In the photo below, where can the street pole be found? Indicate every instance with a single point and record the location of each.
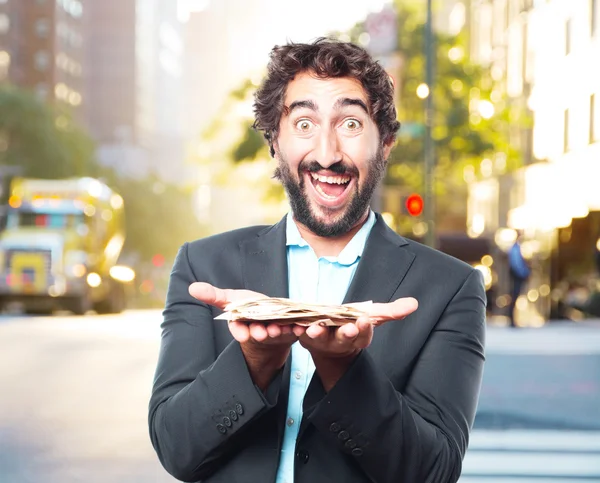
(429, 207)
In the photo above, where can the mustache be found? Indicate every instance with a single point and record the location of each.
(338, 168)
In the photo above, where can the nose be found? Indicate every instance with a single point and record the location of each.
(328, 149)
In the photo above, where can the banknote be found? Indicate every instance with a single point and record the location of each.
(284, 311)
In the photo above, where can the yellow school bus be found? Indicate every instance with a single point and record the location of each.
(60, 247)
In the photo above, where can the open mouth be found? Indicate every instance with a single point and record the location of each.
(332, 190)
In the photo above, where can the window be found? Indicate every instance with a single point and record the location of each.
(593, 17)
(594, 122)
(41, 60)
(4, 23)
(566, 132)
(42, 28)
(568, 37)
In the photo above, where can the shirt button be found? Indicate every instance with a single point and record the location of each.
(335, 427)
(302, 456)
(290, 421)
(343, 435)
(357, 452)
(298, 375)
(239, 409)
(351, 444)
(233, 415)
(227, 422)
(222, 429)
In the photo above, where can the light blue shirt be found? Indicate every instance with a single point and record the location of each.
(312, 280)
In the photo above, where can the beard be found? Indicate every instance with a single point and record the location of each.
(359, 202)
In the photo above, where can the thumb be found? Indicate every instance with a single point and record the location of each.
(398, 309)
(211, 295)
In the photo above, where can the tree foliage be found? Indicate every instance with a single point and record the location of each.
(159, 216)
(42, 140)
(45, 142)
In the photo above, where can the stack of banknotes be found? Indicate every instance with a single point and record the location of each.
(285, 311)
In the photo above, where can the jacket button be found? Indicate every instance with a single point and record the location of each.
(302, 456)
(222, 429)
(351, 444)
(335, 427)
(343, 435)
(233, 415)
(227, 422)
(239, 409)
(357, 452)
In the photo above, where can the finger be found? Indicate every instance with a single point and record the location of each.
(316, 331)
(299, 330)
(286, 329)
(346, 332)
(274, 330)
(211, 295)
(239, 331)
(258, 332)
(365, 334)
(398, 309)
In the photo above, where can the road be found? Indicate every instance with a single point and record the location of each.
(74, 397)
(74, 391)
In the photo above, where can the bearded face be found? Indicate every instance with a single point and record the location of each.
(329, 151)
(344, 186)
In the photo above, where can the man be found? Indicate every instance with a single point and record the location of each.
(519, 273)
(389, 398)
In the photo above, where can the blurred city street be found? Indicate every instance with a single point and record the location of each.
(74, 403)
(129, 127)
(76, 391)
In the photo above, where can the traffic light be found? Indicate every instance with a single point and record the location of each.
(414, 204)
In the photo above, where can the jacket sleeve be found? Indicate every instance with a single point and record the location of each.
(421, 434)
(201, 401)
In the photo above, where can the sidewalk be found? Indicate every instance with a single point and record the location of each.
(502, 321)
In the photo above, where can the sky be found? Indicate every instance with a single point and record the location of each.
(310, 15)
(257, 25)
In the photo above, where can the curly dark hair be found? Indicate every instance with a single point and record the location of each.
(326, 58)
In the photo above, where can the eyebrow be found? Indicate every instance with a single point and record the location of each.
(342, 102)
(347, 101)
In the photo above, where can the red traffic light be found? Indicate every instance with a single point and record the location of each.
(414, 204)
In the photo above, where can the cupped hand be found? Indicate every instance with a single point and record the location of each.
(347, 339)
(270, 334)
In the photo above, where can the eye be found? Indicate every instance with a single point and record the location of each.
(304, 125)
(352, 124)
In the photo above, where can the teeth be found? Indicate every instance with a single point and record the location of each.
(331, 179)
(323, 194)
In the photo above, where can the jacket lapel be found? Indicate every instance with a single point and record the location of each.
(383, 265)
(264, 261)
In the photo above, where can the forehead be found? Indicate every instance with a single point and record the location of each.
(324, 92)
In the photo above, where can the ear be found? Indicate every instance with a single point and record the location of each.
(275, 146)
(387, 148)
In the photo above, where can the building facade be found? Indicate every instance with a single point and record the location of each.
(543, 56)
(42, 49)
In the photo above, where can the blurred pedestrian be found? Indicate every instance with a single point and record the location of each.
(519, 274)
(597, 255)
(357, 403)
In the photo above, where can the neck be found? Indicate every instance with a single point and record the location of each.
(329, 246)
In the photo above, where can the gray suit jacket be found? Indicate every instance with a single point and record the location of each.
(402, 412)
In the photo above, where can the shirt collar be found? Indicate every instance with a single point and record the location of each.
(351, 252)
